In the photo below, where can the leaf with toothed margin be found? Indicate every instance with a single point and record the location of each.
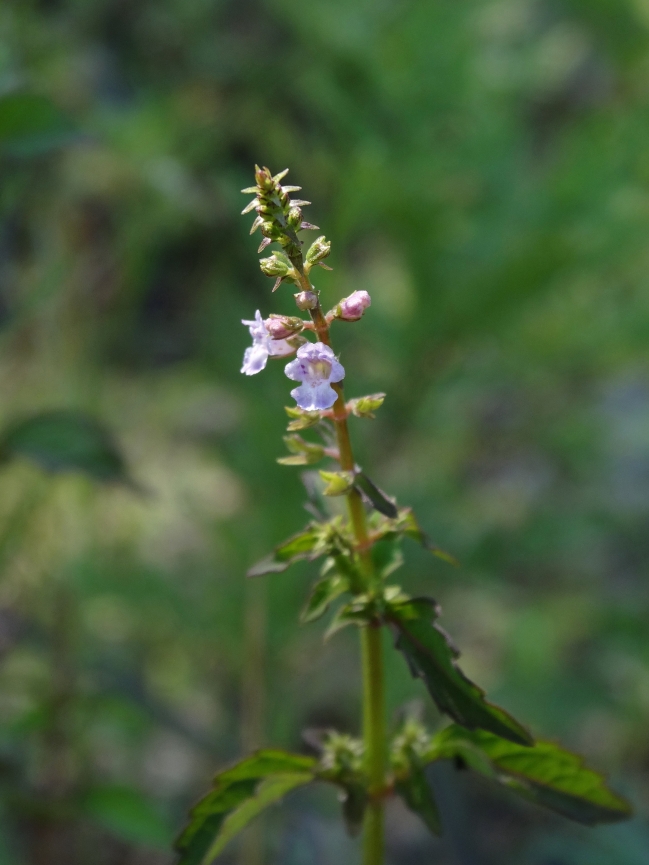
(545, 773)
(238, 795)
(432, 657)
(377, 498)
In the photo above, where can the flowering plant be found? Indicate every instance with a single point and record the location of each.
(360, 552)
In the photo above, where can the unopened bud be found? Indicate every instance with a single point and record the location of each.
(283, 326)
(318, 250)
(352, 308)
(306, 300)
(294, 217)
(275, 265)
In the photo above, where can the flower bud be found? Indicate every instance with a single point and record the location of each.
(275, 265)
(294, 217)
(306, 300)
(318, 250)
(352, 308)
(283, 326)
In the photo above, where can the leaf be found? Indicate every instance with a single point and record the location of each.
(377, 498)
(31, 125)
(338, 483)
(416, 793)
(301, 419)
(411, 529)
(322, 594)
(356, 613)
(432, 657)
(304, 453)
(64, 441)
(127, 814)
(239, 794)
(545, 773)
(365, 406)
(295, 548)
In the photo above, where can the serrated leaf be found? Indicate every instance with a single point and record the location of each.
(295, 548)
(337, 483)
(377, 498)
(432, 657)
(66, 441)
(31, 125)
(545, 774)
(416, 793)
(239, 794)
(127, 814)
(322, 594)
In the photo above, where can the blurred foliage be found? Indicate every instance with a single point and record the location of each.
(491, 156)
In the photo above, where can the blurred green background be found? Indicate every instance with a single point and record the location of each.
(482, 168)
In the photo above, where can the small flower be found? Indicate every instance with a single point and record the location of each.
(263, 346)
(316, 367)
(352, 308)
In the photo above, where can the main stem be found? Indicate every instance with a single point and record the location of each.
(371, 645)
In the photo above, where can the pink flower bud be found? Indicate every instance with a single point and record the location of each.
(283, 326)
(352, 308)
(306, 300)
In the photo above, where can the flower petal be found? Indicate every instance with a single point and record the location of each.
(254, 359)
(314, 397)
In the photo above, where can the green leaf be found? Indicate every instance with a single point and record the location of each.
(432, 657)
(31, 125)
(408, 526)
(365, 406)
(64, 441)
(301, 419)
(377, 498)
(318, 539)
(338, 483)
(545, 773)
(239, 794)
(303, 453)
(416, 793)
(128, 814)
(356, 613)
(322, 594)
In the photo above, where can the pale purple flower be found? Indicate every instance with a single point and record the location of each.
(315, 366)
(263, 346)
(353, 307)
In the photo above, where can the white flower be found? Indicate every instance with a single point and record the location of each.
(263, 346)
(315, 366)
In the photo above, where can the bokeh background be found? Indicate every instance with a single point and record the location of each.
(482, 168)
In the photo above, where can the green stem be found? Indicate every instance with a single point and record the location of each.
(371, 646)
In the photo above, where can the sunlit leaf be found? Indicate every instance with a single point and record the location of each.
(238, 795)
(432, 657)
(296, 548)
(64, 441)
(545, 773)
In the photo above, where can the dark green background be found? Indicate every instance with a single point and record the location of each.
(482, 168)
